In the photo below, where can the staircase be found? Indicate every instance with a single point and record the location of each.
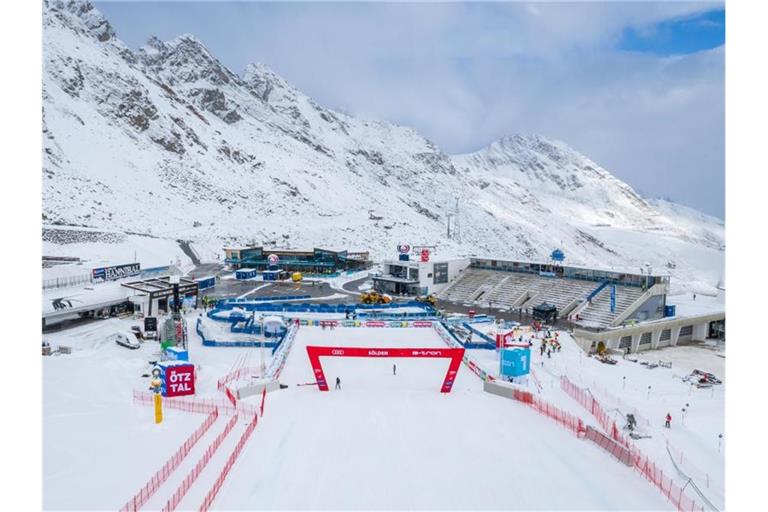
(599, 314)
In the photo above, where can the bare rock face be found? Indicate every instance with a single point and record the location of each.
(167, 136)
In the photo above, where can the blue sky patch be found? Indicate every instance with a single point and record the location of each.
(677, 36)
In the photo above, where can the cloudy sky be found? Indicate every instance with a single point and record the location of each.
(638, 87)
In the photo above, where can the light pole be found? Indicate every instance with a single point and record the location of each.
(719, 442)
(649, 392)
(624, 383)
(261, 351)
(683, 410)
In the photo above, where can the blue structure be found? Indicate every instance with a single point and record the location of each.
(669, 310)
(203, 283)
(515, 362)
(557, 255)
(245, 273)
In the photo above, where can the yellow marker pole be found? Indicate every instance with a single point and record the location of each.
(158, 408)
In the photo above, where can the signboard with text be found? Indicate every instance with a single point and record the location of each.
(116, 272)
(178, 380)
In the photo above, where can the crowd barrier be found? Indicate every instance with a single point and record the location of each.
(673, 492)
(308, 307)
(195, 405)
(585, 398)
(567, 420)
(606, 443)
(450, 339)
(171, 464)
(366, 323)
(209, 342)
(482, 335)
(648, 468)
(262, 299)
(208, 501)
(693, 471)
(181, 491)
(477, 319)
(279, 357)
(612, 400)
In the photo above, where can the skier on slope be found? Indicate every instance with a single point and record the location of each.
(394, 369)
(338, 383)
(668, 421)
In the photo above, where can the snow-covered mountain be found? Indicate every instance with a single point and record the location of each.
(166, 141)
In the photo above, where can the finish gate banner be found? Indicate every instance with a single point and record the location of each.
(454, 354)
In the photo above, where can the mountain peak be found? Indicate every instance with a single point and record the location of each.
(184, 59)
(91, 17)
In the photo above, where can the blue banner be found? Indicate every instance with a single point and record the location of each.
(515, 362)
(613, 298)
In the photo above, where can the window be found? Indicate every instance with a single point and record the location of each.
(666, 334)
(441, 273)
(686, 330)
(626, 342)
(645, 339)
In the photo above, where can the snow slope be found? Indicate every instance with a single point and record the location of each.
(394, 442)
(168, 142)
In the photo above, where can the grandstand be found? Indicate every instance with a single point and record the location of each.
(583, 294)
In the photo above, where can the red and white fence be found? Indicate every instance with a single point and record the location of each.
(622, 453)
(565, 419)
(154, 483)
(673, 492)
(666, 485)
(181, 491)
(585, 398)
(208, 501)
(196, 405)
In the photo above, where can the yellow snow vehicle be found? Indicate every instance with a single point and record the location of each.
(374, 297)
(427, 299)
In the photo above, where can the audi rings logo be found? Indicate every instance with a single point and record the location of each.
(337, 352)
(404, 248)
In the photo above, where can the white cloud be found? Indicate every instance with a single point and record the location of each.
(466, 74)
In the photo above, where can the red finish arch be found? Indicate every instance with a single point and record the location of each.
(454, 354)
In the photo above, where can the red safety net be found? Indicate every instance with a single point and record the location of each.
(161, 475)
(208, 501)
(181, 491)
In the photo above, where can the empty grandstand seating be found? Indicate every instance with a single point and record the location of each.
(470, 285)
(516, 289)
(599, 311)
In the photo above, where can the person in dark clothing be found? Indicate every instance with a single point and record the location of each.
(549, 354)
(394, 369)
(668, 421)
(338, 383)
(346, 315)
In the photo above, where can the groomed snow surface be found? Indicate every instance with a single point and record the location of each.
(382, 442)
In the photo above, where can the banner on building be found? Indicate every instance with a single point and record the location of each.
(116, 272)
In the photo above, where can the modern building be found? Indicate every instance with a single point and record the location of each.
(409, 277)
(316, 261)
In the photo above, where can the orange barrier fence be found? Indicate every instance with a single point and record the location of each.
(181, 491)
(197, 405)
(162, 474)
(673, 492)
(666, 485)
(585, 398)
(622, 453)
(208, 501)
(565, 419)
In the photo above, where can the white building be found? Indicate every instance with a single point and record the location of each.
(413, 277)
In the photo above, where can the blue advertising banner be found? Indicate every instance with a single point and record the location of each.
(515, 362)
(613, 298)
